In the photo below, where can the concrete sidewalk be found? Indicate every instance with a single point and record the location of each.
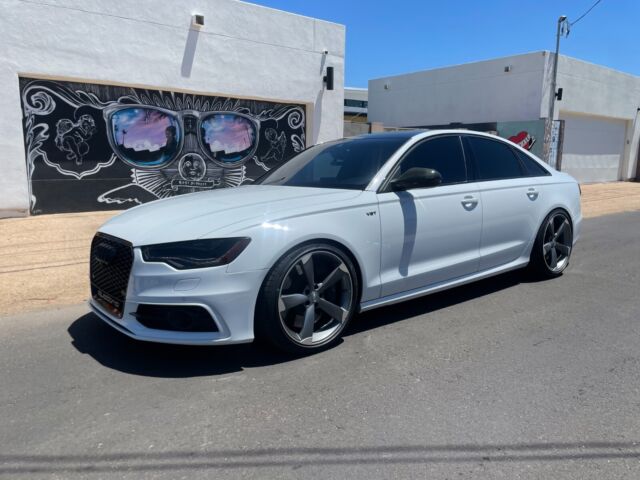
(44, 259)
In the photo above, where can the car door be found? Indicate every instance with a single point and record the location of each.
(430, 235)
(510, 200)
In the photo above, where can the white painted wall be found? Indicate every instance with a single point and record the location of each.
(243, 50)
(596, 91)
(593, 147)
(356, 93)
(470, 93)
(483, 92)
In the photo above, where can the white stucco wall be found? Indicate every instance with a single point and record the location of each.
(596, 99)
(356, 93)
(470, 93)
(244, 50)
(594, 90)
(602, 99)
(592, 147)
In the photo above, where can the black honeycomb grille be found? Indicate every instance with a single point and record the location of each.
(110, 266)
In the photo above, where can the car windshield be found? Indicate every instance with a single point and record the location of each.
(347, 164)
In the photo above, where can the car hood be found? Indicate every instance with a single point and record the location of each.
(222, 212)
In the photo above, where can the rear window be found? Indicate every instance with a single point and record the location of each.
(532, 168)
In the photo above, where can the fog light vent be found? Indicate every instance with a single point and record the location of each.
(175, 318)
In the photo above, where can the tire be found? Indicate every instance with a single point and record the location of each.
(553, 245)
(307, 299)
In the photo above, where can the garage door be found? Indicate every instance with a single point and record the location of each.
(593, 148)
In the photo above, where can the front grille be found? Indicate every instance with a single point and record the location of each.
(110, 266)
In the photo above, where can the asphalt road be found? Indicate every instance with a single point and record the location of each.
(507, 378)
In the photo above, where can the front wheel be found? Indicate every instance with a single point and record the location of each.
(307, 299)
(553, 245)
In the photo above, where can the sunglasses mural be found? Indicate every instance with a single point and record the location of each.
(101, 147)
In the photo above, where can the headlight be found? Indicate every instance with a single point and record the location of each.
(196, 253)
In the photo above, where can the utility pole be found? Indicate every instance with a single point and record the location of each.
(631, 152)
(552, 98)
(552, 92)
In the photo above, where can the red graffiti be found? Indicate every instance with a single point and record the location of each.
(523, 139)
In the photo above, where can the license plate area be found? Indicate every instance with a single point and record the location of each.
(106, 301)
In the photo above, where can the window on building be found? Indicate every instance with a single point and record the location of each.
(348, 102)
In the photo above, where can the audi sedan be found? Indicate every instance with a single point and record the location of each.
(344, 226)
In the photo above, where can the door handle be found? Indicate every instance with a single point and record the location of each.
(532, 193)
(469, 202)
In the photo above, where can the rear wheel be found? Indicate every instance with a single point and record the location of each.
(307, 299)
(552, 248)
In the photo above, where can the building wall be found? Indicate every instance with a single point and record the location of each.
(483, 94)
(355, 112)
(593, 147)
(604, 102)
(357, 94)
(243, 51)
(470, 93)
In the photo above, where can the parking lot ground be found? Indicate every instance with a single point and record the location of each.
(506, 378)
(44, 259)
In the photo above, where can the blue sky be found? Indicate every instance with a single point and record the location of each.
(392, 37)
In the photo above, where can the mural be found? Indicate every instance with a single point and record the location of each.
(101, 147)
(523, 139)
(528, 135)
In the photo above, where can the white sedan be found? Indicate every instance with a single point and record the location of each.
(343, 227)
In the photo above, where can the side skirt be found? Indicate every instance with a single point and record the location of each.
(438, 287)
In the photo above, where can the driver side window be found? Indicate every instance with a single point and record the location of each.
(443, 154)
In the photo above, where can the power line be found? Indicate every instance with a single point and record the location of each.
(585, 13)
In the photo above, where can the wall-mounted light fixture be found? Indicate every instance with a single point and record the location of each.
(328, 78)
(197, 21)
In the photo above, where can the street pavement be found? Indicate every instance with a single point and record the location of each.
(507, 378)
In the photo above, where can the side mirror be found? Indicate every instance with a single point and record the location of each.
(416, 178)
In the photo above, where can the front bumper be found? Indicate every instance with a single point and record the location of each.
(577, 228)
(229, 298)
